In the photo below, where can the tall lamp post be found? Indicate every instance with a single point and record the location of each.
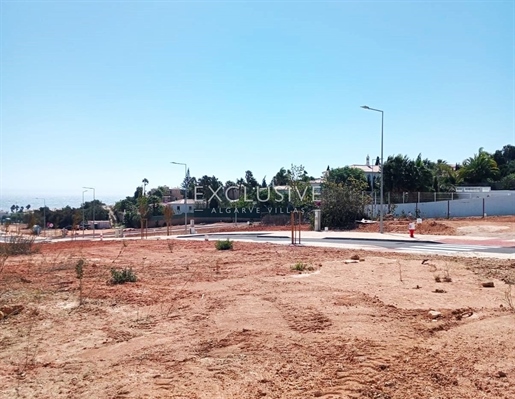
(381, 212)
(83, 217)
(44, 215)
(185, 196)
(92, 188)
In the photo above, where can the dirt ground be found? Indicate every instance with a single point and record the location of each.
(492, 226)
(202, 323)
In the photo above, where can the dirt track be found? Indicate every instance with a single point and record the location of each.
(202, 323)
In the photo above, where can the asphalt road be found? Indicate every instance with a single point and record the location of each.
(396, 245)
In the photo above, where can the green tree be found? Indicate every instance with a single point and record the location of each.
(505, 160)
(479, 168)
(445, 177)
(280, 178)
(402, 174)
(301, 193)
(250, 181)
(341, 175)
(138, 193)
(159, 191)
(188, 185)
(398, 174)
(343, 203)
(210, 186)
(422, 174)
(155, 204)
(508, 182)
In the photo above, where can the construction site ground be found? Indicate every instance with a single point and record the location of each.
(258, 321)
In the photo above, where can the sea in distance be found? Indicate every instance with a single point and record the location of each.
(52, 201)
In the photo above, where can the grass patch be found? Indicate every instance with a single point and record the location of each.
(301, 266)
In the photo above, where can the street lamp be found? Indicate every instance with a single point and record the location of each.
(381, 212)
(44, 215)
(185, 196)
(83, 221)
(92, 188)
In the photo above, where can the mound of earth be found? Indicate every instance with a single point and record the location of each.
(428, 226)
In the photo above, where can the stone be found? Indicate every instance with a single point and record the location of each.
(434, 314)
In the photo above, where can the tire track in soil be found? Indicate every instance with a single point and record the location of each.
(304, 319)
(347, 369)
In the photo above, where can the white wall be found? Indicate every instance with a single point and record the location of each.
(497, 205)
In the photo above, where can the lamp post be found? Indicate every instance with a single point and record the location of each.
(381, 212)
(44, 215)
(83, 218)
(92, 188)
(185, 196)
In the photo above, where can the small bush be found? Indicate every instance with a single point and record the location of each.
(222, 245)
(18, 244)
(444, 279)
(299, 266)
(79, 270)
(121, 276)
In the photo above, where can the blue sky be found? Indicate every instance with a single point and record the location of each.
(105, 94)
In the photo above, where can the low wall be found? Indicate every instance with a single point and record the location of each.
(491, 206)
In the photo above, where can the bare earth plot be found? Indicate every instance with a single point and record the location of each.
(202, 323)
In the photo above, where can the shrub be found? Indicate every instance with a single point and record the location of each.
(121, 276)
(223, 244)
(79, 270)
(299, 266)
(18, 244)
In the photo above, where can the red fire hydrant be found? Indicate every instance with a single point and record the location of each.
(411, 228)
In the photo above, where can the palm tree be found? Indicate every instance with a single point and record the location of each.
(479, 168)
(145, 182)
(399, 174)
(423, 175)
(446, 178)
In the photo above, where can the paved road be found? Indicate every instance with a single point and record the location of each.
(390, 244)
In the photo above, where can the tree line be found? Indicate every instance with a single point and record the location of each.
(58, 218)
(341, 191)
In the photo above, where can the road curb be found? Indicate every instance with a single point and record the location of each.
(382, 239)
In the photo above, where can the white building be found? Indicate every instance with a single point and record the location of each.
(372, 172)
(179, 206)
